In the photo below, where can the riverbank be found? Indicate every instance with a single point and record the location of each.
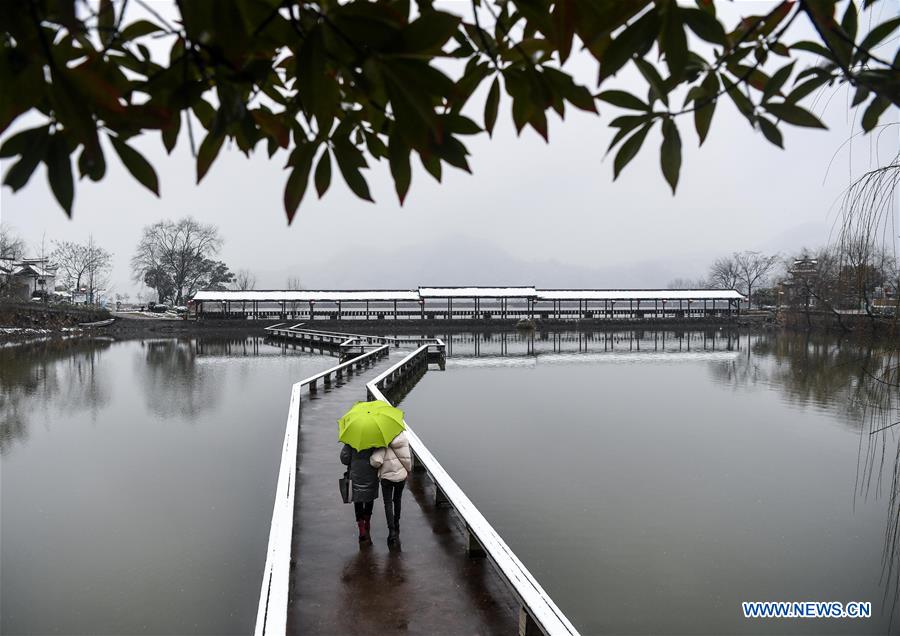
(26, 321)
(129, 326)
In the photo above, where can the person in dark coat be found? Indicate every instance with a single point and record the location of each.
(364, 480)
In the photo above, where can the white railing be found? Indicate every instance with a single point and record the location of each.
(334, 336)
(536, 604)
(271, 615)
(537, 609)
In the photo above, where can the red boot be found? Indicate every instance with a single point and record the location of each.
(366, 525)
(363, 531)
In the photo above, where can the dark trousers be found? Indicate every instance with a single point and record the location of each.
(391, 491)
(363, 509)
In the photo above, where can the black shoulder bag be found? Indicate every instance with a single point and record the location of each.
(344, 483)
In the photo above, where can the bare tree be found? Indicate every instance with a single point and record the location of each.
(177, 254)
(723, 274)
(293, 284)
(71, 258)
(244, 280)
(687, 283)
(752, 270)
(82, 266)
(11, 245)
(98, 269)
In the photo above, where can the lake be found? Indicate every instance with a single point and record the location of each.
(650, 480)
(137, 482)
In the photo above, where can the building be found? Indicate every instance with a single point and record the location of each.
(27, 278)
(468, 303)
(802, 276)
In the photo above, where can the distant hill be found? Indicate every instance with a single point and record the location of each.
(464, 261)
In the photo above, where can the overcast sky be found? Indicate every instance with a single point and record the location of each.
(527, 202)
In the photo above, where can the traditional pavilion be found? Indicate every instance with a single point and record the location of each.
(468, 303)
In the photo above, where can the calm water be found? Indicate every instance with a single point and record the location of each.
(650, 481)
(137, 483)
(651, 484)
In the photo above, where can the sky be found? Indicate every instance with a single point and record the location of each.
(531, 213)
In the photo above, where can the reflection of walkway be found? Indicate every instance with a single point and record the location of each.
(338, 588)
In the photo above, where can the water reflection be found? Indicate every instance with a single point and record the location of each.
(675, 521)
(858, 380)
(784, 483)
(137, 483)
(174, 384)
(60, 374)
(526, 343)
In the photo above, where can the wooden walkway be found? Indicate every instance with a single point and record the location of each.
(337, 587)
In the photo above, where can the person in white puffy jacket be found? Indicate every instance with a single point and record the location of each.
(393, 463)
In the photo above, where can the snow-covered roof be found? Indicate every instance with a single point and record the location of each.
(305, 295)
(638, 294)
(33, 269)
(479, 292)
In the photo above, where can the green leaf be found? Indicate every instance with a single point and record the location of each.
(625, 125)
(774, 84)
(19, 143)
(491, 106)
(629, 150)
(812, 47)
(771, 132)
(802, 90)
(849, 21)
(20, 172)
(301, 160)
(398, 157)
(139, 167)
(376, 147)
(209, 150)
(272, 126)
(138, 29)
(318, 90)
(793, 114)
(704, 25)
(627, 43)
(59, 172)
(323, 173)
(562, 85)
(661, 91)
(670, 153)
(170, 133)
(743, 103)
(106, 21)
(673, 41)
(778, 48)
(429, 33)
(703, 118)
(432, 164)
(873, 112)
(862, 93)
(563, 27)
(349, 159)
(875, 36)
(91, 162)
(705, 106)
(460, 124)
(623, 100)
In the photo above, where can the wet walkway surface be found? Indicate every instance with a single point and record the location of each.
(430, 586)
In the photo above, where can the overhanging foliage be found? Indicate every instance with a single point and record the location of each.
(349, 82)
